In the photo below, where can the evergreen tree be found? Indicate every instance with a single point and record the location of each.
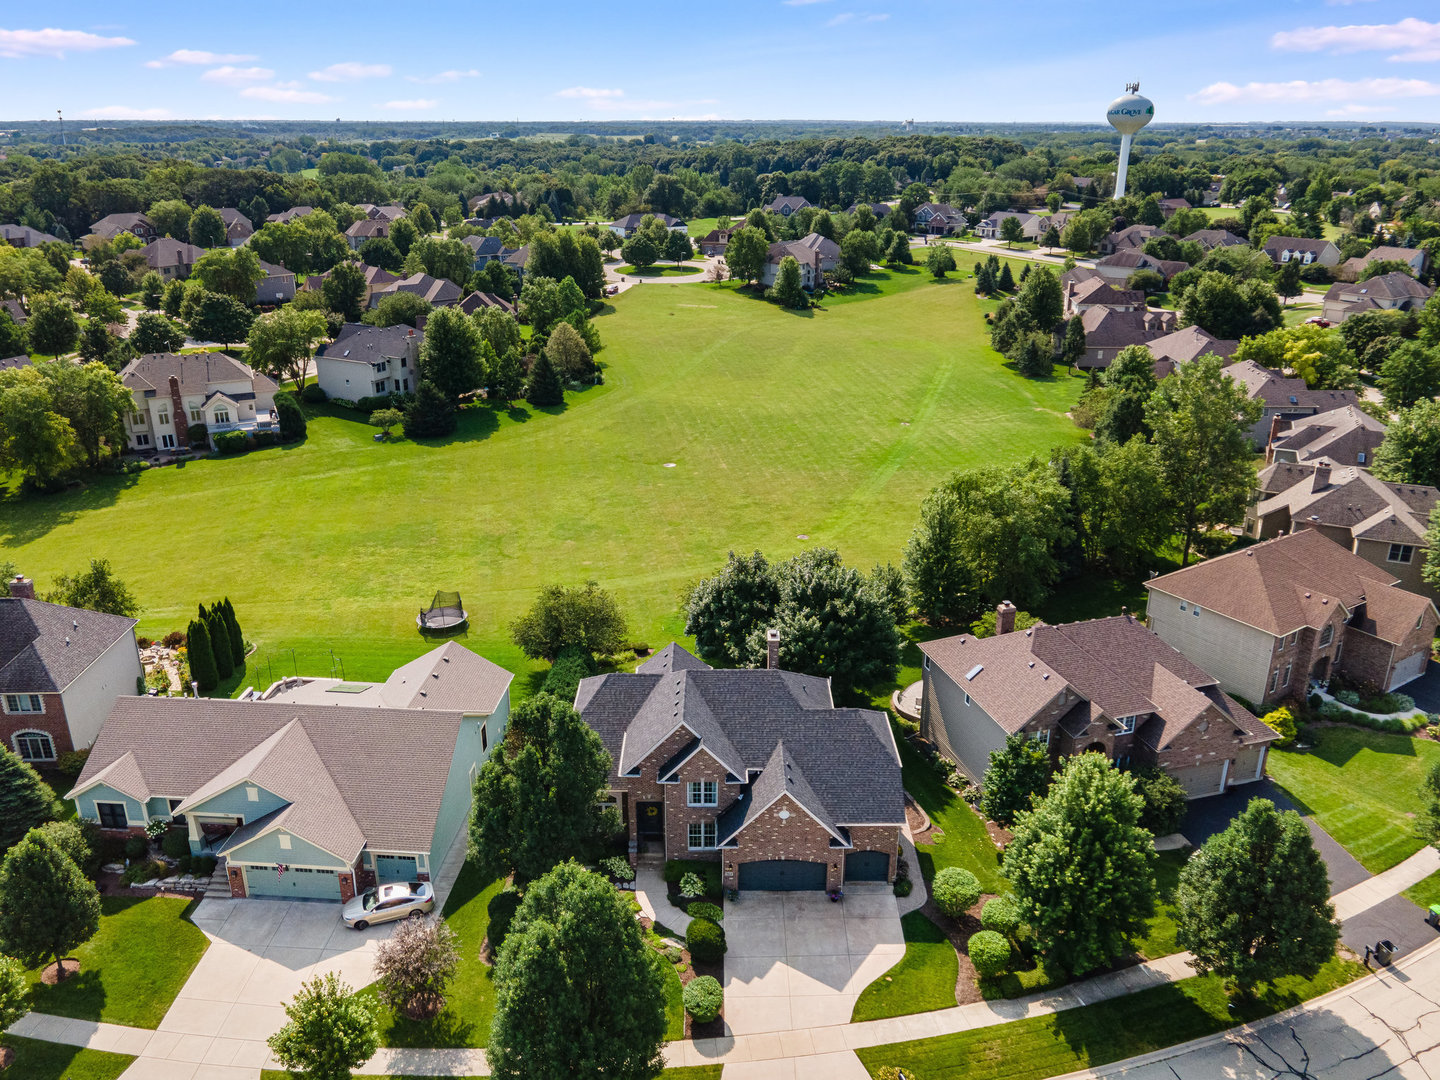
(984, 283)
(202, 657)
(237, 639)
(1073, 350)
(544, 387)
(47, 907)
(1007, 279)
(508, 382)
(431, 415)
(152, 290)
(787, 289)
(1254, 901)
(219, 635)
(1051, 239)
(1082, 867)
(26, 801)
(1036, 359)
(1018, 770)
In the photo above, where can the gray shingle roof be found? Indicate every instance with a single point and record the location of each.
(44, 647)
(361, 341)
(449, 677)
(847, 756)
(196, 372)
(177, 746)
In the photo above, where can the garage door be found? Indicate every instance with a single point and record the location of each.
(782, 875)
(294, 884)
(395, 868)
(867, 866)
(1247, 764)
(1200, 780)
(1410, 668)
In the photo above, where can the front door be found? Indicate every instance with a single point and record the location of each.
(650, 820)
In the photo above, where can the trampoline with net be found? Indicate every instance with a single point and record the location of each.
(444, 613)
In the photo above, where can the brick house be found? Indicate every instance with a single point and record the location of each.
(815, 253)
(171, 259)
(1301, 249)
(1081, 296)
(754, 768)
(367, 229)
(1270, 619)
(785, 205)
(1130, 238)
(315, 788)
(1106, 685)
(61, 669)
(112, 225)
(1117, 268)
(1383, 523)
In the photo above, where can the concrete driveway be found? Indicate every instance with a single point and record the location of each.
(260, 952)
(796, 960)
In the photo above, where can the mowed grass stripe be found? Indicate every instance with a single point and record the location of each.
(779, 424)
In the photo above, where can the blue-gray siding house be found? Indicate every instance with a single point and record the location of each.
(316, 788)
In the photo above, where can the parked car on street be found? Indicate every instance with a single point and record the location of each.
(385, 903)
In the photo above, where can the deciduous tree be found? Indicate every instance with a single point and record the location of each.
(1254, 901)
(414, 965)
(586, 617)
(52, 327)
(1082, 866)
(330, 1031)
(939, 260)
(154, 333)
(344, 291)
(26, 801)
(452, 357)
(787, 289)
(1411, 373)
(281, 343)
(721, 611)
(1199, 417)
(577, 993)
(47, 907)
(1410, 453)
(207, 227)
(746, 253)
(1011, 231)
(96, 588)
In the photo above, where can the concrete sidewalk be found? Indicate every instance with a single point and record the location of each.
(1381, 887)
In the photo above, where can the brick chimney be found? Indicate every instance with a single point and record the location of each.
(178, 416)
(420, 321)
(22, 587)
(1004, 617)
(1321, 480)
(772, 649)
(1277, 426)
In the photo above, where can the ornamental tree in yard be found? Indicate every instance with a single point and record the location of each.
(453, 353)
(1011, 231)
(787, 289)
(1254, 901)
(587, 618)
(1198, 416)
(282, 342)
(722, 610)
(1018, 770)
(414, 965)
(26, 801)
(1082, 866)
(577, 993)
(385, 419)
(14, 992)
(47, 906)
(537, 798)
(331, 1031)
(940, 261)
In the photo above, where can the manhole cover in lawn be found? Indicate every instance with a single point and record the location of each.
(669, 465)
(802, 536)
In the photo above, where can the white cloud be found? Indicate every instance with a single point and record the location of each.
(445, 76)
(1414, 40)
(1358, 110)
(235, 76)
(124, 112)
(1301, 92)
(875, 18)
(283, 92)
(588, 92)
(56, 43)
(411, 103)
(198, 56)
(350, 71)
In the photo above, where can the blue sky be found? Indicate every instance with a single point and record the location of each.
(740, 59)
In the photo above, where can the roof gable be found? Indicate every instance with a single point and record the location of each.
(44, 647)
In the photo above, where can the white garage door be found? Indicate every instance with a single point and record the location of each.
(1247, 764)
(1412, 667)
(1200, 780)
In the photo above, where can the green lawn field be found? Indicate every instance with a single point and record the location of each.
(725, 422)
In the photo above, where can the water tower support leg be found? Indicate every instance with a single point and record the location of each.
(1124, 166)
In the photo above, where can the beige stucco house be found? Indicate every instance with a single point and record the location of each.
(174, 391)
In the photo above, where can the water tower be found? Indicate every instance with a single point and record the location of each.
(1127, 115)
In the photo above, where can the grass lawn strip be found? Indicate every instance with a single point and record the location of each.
(470, 999)
(833, 423)
(131, 970)
(965, 842)
(37, 1060)
(1362, 787)
(1094, 1035)
(1425, 891)
(922, 982)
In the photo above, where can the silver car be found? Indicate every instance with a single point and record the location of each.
(398, 900)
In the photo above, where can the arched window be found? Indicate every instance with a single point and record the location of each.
(34, 746)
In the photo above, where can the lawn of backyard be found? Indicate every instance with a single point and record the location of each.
(36, 1060)
(470, 999)
(1362, 787)
(1093, 1035)
(831, 424)
(131, 970)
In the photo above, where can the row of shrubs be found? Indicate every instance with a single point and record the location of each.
(313, 395)
(237, 442)
(955, 891)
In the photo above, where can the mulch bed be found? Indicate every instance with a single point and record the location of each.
(967, 985)
(7, 1057)
(49, 975)
(715, 1028)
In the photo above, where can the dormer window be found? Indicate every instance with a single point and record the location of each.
(1126, 724)
(702, 793)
